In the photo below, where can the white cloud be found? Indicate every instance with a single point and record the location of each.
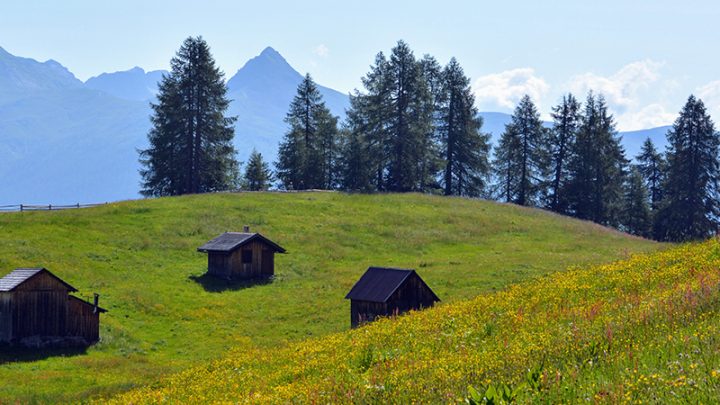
(621, 89)
(321, 51)
(650, 116)
(710, 95)
(625, 91)
(503, 90)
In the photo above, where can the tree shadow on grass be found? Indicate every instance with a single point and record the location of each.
(216, 284)
(18, 354)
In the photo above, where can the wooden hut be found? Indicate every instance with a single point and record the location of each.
(241, 255)
(36, 304)
(386, 291)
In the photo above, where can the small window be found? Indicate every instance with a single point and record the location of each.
(247, 256)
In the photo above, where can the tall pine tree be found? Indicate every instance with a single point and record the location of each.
(257, 173)
(635, 215)
(410, 120)
(394, 119)
(597, 167)
(430, 163)
(307, 155)
(464, 147)
(566, 121)
(690, 206)
(191, 149)
(651, 165)
(521, 158)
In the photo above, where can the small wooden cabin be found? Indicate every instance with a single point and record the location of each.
(241, 255)
(36, 304)
(386, 291)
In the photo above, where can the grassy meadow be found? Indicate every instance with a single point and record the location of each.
(165, 317)
(642, 330)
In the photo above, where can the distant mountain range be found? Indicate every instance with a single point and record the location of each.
(65, 141)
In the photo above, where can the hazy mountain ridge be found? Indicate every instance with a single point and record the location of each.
(133, 84)
(65, 141)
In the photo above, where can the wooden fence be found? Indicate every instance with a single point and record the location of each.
(49, 207)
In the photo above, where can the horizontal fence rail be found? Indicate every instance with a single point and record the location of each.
(48, 207)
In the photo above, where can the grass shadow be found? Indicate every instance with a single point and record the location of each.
(18, 354)
(216, 284)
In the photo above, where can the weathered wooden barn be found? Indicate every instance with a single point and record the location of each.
(241, 255)
(36, 304)
(386, 291)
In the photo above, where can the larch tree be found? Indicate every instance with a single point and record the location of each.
(566, 121)
(409, 119)
(430, 163)
(464, 148)
(652, 165)
(690, 206)
(521, 156)
(191, 140)
(307, 154)
(506, 164)
(258, 176)
(635, 215)
(394, 119)
(597, 167)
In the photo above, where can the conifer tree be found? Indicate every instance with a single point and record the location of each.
(191, 149)
(307, 155)
(355, 173)
(597, 167)
(410, 120)
(257, 173)
(431, 162)
(395, 119)
(521, 155)
(636, 218)
(507, 164)
(368, 116)
(464, 147)
(690, 207)
(566, 117)
(651, 165)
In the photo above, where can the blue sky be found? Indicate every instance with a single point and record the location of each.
(645, 56)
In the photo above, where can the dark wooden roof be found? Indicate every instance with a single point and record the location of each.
(378, 284)
(19, 276)
(100, 309)
(230, 241)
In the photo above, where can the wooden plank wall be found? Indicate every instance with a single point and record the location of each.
(39, 307)
(6, 316)
(82, 321)
(219, 264)
(242, 270)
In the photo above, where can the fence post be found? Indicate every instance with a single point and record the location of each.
(21, 207)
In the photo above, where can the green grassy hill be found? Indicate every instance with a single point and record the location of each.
(643, 330)
(140, 256)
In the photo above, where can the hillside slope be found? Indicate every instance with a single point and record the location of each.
(641, 330)
(163, 317)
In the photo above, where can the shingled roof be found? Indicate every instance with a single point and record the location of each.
(378, 284)
(230, 241)
(19, 276)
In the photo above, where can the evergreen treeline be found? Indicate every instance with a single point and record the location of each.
(414, 128)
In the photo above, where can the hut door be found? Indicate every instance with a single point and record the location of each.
(268, 259)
